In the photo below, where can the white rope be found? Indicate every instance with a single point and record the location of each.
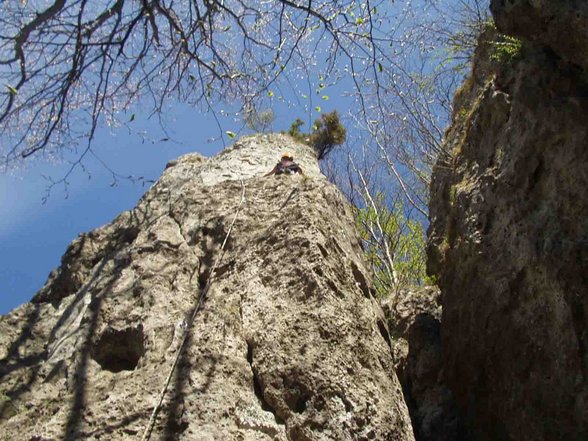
(147, 434)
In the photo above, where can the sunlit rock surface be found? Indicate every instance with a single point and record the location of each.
(289, 343)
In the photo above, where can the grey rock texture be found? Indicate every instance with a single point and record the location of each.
(561, 25)
(509, 241)
(288, 345)
(414, 321)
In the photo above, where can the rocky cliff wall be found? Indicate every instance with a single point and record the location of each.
(509, 229)
(289, 343)
(414, 321)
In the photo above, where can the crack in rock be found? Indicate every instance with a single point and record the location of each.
(257, 389)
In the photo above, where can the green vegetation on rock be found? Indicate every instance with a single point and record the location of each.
(327, 133)
(506, 49)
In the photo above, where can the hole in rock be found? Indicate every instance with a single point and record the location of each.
(296, 396)
(119, 350)
(300, 404)
(360, 280)
(257, 389)
(256, 386)
(323, 250)
(203, 280)
(384, 333)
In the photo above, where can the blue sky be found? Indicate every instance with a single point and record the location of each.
(34, 235)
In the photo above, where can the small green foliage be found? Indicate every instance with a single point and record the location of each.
(506, 49)
(327, 133)
(431, 280)
(295, 132)
(460, 45)
(462, 114)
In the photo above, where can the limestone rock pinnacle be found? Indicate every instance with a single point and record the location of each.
(289, 343)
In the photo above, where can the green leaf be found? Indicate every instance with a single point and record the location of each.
(132, 118)
(317, 108)
(325, 97)
(270, 93)
(11, 89)
(230, 134)
(359, 21)
(380, 67)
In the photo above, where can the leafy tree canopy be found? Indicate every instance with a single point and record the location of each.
(394, 245)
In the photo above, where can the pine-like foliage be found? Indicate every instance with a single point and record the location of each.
(327, 133)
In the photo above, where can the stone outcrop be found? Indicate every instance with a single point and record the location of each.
(414, 321)
(509, 230)
(561, 26)
(288, 344)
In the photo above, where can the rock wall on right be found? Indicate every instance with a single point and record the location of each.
(508, 235)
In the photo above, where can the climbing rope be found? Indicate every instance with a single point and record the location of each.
(147, 434)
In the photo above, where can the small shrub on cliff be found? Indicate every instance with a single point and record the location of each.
(506, 49)
(502, 48)
(327, 133)
(295, 132)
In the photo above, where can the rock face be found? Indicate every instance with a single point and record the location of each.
(509, 230)
(414, 319)
(561, 26)
(289, 343)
